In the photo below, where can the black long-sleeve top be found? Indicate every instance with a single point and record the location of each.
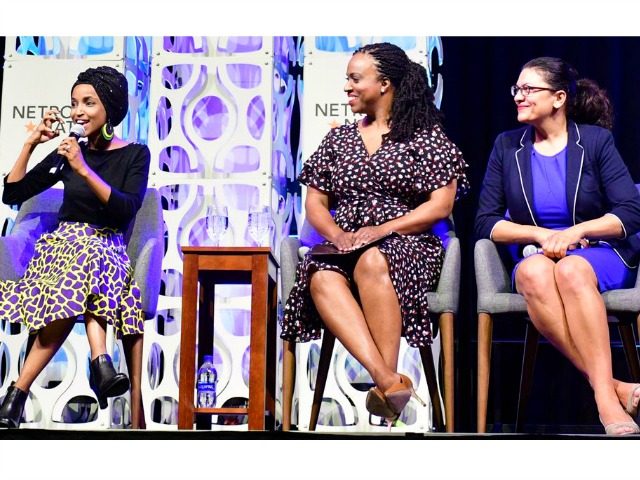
(125, 169)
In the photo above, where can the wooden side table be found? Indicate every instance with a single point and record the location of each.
(209, 266)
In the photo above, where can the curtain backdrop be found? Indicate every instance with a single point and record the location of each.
(478, 72)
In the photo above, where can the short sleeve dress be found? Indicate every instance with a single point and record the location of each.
(369, 190)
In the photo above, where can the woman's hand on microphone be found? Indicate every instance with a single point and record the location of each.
(70, 149)
(542, 234)
(556, 245)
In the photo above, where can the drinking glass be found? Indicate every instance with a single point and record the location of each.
(217, 221)
(260, 224)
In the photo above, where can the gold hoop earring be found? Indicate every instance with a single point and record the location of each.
(107, 131)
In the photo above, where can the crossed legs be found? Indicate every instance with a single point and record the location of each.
(49, 339)
(96, 334)
(566, 307)
(371, 333)
(47, 342)
(133, 353)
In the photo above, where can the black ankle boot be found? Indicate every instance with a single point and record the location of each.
(12, 407)
(104, 380)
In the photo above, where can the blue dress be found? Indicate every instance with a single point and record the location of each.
(549, 203)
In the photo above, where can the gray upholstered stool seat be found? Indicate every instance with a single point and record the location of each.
(495, 298)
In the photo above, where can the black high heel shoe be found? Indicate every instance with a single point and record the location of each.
(104, 381)
(12, 407)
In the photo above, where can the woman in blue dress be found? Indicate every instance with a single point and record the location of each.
(567, 191)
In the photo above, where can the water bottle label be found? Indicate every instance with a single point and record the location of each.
(207, 387)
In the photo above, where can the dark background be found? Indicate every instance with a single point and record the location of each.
(478, 72)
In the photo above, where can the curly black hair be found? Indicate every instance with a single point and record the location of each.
(413, 102)
(586, 101)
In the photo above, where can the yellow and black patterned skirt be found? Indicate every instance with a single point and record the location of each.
(77, 268)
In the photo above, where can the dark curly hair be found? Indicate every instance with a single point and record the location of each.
(586, 101)
(413, 102)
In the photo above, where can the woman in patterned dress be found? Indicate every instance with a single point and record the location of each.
(81, 268)
(392, 171)
(566, 188)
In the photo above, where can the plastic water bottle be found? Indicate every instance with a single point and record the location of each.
(206, 383)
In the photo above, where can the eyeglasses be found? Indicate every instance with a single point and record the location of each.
(527, 90)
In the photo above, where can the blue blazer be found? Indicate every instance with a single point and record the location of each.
(598, 183)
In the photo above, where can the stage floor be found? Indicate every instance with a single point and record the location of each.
(42, 434)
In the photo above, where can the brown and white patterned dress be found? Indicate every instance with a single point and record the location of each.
(369, 190)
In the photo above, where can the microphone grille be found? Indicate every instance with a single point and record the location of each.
(529, 250)
(77, 129)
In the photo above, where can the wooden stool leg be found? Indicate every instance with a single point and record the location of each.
(288, 381)
(206, 334)
(272, 356)
(526, 377)
(326, 351)
(257, 344)
(630, 350)
(188, 342)
(446, 332)
(485, 327)
(432, 384)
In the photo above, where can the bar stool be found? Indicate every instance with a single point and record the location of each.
(229, 265)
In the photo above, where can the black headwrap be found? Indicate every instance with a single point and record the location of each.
(111, 87)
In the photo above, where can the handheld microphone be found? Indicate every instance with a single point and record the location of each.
(77, 132)
(532, 249)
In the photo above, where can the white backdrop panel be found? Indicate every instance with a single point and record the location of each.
(215, 112)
